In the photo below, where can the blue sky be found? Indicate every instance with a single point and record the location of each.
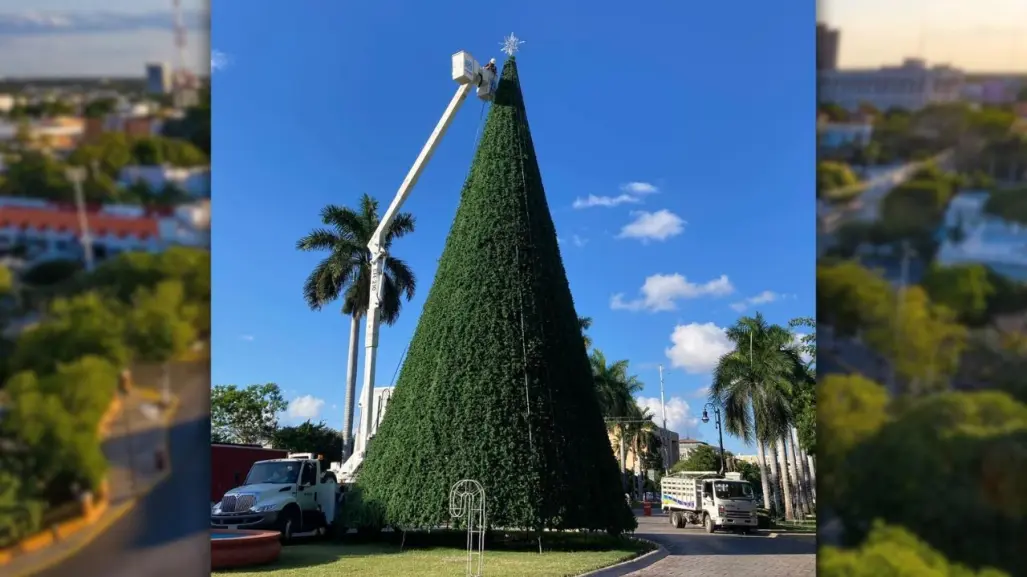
(96, 37)
(706, 109)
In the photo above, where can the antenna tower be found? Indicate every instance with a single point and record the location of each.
(181, 75)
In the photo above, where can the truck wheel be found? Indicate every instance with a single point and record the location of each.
(288, 523)
(682, 521)
(673, 518)
(708, 524)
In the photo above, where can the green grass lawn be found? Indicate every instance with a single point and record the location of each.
(386, 559)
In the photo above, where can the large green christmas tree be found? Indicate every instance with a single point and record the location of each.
(497, 386)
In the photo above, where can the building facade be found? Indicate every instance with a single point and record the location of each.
(158, 78)
(827, 47)
(910, 86)
(46, 231)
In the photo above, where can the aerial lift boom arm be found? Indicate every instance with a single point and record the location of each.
(469, 75)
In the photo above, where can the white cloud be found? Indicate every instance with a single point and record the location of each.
(631, 194)
(659, 225)
(592, 200)
(760, 299)
(579, 241)
(679, 415)
(701, 392)
(697, 348)
(639, 188)
(305, 407)
(805, 356)
(248, 338)
(661, 290)
(218, 60)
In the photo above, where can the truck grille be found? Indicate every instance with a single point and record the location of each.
(737, 515)
(237, 503)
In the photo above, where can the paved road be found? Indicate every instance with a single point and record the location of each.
(167, 533)
(693, 553)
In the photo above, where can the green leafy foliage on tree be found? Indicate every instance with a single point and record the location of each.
(245, 415)
(833, 176)
(848, 296)
(964, 289)
(52, 422)
(940, 465)
(496, 385)
(1009, 204)
(700, 458)
(890, 550)
(75, 327)
(309, 438)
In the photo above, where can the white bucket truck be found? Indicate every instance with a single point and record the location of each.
(705, 497)
(292, 495)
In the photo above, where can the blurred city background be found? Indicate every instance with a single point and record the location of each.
(921, 296)
(104, 288)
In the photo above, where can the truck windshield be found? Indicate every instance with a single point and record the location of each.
(728, 490)
(277, 472)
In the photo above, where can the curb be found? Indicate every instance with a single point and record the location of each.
(631, 565)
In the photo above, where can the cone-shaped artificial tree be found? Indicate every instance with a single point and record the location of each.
(497, 385)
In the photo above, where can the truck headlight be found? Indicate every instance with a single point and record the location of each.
(262, 508)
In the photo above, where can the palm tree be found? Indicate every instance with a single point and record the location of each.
(615, 390)
(585, 323)
(345, 273)
(637, 429)
(752, 383)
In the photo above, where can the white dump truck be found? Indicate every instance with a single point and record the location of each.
(709, 499)
(292, 495)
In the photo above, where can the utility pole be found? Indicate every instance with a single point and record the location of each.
(77, 175)
(907, 253)
(665, 436)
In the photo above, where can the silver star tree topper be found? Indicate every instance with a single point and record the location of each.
(511, 44)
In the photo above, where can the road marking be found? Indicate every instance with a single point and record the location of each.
(772, 536)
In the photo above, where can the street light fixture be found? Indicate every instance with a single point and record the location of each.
(720, 431)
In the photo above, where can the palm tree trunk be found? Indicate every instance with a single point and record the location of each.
(800, 461)
(351, 386)
(775, 477)
(812, 473)
(623, 459)
(796, 472)
(786, 486)
(638, 467)
(765, 478)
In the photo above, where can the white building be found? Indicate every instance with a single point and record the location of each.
(983, 239)
(50, 231)
(193, 181)
(911, 86)
(686, 446)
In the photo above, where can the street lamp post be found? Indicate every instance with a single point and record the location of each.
(720, 431)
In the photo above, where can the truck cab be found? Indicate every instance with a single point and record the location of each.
(291, 495)
(709, 499)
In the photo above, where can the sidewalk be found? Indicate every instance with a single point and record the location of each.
(139, 430)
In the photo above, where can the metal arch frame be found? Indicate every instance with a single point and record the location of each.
(467, 501)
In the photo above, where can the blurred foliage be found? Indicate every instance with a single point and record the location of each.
(850, 409)
(36, 174)
(964, 289)
(61, 374)
(892, 551)
(1009, 204)
(833, 177)
(949, 467)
